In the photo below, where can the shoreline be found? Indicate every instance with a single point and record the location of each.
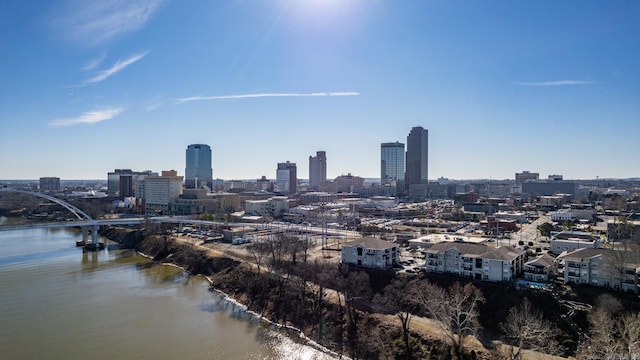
(305, 340)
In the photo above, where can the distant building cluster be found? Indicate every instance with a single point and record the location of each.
(586, 215)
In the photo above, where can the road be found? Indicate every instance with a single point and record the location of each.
(529, 232)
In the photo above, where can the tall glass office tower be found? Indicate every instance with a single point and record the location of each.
(391, 163)
(417, 156)
(198, 172)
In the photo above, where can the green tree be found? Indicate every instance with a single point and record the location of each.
(545, 229)
(568, 225)
(207, 216)
(228, 218)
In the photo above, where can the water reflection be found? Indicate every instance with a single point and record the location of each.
(116, 304)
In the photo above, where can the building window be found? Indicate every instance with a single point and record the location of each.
(359, 251)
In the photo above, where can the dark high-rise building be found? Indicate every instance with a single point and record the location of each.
(417, 161)
(49, 184)
(198, 172)
(391, 163)
(286, 178)
(317, 170)
(122, 182)
(417, 156)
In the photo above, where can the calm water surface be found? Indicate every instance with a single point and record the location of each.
(58, 302)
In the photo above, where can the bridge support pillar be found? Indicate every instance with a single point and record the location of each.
(95, 244)
(94, 234)
(85, 234)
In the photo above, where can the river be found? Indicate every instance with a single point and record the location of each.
(58, 302)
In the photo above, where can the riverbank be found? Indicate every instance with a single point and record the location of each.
(111, 304)
(321, 316)
(199, 262)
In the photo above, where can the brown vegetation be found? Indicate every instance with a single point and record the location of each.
(372, 315)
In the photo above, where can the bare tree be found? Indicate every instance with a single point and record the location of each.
(455, 309)
(630, 335)
(399, 298)
(525, 328)
(612, 336)
(258, 250)
(608, 303)
(603, 342)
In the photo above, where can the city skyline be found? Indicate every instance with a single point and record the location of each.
(502, 87)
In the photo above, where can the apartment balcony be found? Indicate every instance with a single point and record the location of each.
(629, 272)
(467, 268)
(574, 274)
(573, 265)
(432, 263)
(628, 281)
(533, 270)
(467, 260)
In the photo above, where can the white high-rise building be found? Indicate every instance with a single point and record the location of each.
(391, 163)
(286, 178)
(161, 191)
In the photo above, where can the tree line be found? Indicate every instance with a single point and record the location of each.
(349, 310)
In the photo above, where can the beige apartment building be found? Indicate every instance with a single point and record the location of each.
(476, 261)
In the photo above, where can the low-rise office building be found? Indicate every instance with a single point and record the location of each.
(49, 184)
(572, 240)
(161, 191)
(274, 206)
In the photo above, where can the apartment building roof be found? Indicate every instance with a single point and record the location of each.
(371, 243)
(627, 257)
(541, 261)
(478, 250)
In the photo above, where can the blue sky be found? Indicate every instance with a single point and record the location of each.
(502, 86)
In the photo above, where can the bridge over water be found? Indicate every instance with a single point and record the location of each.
(90, 225)
(85, 221)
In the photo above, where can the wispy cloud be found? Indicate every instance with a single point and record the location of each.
(555, 83)
(249, 96)
(153, 106)
(117, 67)
(95, 22)
(93, 63)
(90, 117)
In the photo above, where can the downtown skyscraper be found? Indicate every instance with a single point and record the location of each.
(317, 170)
(416, 173)
(287, 178)
(198, 172)
(391, 163)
